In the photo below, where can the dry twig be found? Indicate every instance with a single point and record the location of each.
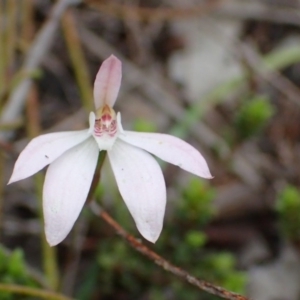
(154, 14)
(160, 261)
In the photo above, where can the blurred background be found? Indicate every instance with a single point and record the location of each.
(223, 75)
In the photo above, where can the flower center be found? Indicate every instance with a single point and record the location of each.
(106, 127)
(106, 123)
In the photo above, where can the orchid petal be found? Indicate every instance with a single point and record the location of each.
(170, 149)
(107, 83)
(66, 187)
(142, 186)
(92, 119)
(43, 150)
(119, 123)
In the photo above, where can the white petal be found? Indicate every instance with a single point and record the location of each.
(170, 149)
(105, 142)
(108, 82)
(43, 150)
(92, 119)
(66, 187)
(142, 186)
(119, 122)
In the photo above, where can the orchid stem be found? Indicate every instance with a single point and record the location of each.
(101, 159)
(97, 175)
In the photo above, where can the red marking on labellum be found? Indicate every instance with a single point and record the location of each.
(106, 123)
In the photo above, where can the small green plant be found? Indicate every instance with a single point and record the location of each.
(253, 116)
(13, 271)
(196, 203)
(288, 207)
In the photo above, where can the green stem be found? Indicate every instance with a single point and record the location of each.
(78, 60)
(97, 175)
(18, 289)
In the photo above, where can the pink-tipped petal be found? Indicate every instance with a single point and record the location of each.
(66, 187)
(107, 83)
(43, 150)
(142, 186)
(170, 149)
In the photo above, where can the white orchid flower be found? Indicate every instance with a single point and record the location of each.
(72, 159)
